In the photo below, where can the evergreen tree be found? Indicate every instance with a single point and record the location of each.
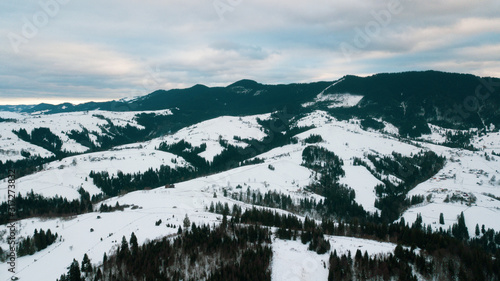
(133, 244)
(460, 230)
(86, 265)
(98, 275)
(441, 218)
(186, 222)
(418, 221)
(124, 250)
(74, 273)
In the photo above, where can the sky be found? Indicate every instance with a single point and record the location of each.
(76, 51)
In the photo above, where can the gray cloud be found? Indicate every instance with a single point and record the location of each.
(93, 50)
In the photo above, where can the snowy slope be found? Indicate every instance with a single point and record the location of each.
(59, 124)
(334, 100)
(169, 205)
(211, 131)
(466, 174)
(293, 262)
(347, 140)
(65, 177)
(472, 179)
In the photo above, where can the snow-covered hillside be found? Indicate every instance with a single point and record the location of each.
(213, 130)
(468, 183)
(97, 233)
(59, 124)
(64, 178)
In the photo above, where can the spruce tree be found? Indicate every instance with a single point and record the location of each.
(86, 265)
(186, 222)
(460, 230)
(74, 272)
(134, 247)
(124, 250)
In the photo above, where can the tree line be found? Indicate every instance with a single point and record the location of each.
(201, 252)
(36, 205)
(39, 241)
(470, 259)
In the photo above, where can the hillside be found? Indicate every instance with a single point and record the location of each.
(405, 99)
(329, 185)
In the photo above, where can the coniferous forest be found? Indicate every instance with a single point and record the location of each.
(204, 252)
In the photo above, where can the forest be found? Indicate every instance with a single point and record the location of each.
(446, 254)
(35, 205)
(199, 252)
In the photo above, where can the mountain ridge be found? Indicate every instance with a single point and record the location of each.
(447, 99)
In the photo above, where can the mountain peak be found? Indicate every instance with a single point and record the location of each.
(246, 83)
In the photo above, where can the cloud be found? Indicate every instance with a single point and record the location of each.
(112, 49)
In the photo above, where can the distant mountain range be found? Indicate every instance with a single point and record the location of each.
(408, 99)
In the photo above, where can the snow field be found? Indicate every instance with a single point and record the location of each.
(59, 124)
(65, 177)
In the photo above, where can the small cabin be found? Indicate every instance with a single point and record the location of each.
(169, 186)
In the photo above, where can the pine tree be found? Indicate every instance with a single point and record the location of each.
(418, 222)
(460, 230)
(124, 251)
(186, 222)
(134, 247)
(74, 273)
(224, 220)
(98, 275)
(441, 218)
(86, 265)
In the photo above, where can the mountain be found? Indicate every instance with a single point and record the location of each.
(442, 98)
(15, 108)
(409, 100)
(354, 179)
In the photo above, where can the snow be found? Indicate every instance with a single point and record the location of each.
(317, 118)
(335, 100)
(438, 134)
(211, 131)
(291, 258)
(390, 129)
(59, 124)
(363, 183)
(488, 143)
(465, 174)
(169, 205)
(292, 261)
(342, 100)
(65, 177)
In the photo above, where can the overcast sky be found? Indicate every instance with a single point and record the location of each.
(74, 50)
